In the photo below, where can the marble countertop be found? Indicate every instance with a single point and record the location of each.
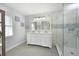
(41, 32)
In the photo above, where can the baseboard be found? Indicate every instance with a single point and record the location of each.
(59, 50)
(15, 45)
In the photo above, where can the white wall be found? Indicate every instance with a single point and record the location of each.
(18, 31)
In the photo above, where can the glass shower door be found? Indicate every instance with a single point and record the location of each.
(70, 30)
(77, 27)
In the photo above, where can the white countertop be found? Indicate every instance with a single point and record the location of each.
(41, 32)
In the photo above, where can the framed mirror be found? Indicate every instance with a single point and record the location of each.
(41, 24)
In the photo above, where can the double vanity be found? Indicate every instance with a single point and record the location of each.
(42, 39)
(40, 33)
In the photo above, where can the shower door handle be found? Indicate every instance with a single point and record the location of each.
(78, 34)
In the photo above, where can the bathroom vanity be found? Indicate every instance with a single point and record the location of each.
(40, 33)
(42, 39)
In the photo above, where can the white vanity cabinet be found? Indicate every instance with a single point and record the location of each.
(40, 33)
(42, 39)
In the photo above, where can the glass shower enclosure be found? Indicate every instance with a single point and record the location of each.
(70, 30)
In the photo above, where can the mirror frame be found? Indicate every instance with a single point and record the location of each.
(37, 21)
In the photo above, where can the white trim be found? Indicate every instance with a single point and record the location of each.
(15, 45)
(59, 50)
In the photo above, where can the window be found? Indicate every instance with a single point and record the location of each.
(8, 26)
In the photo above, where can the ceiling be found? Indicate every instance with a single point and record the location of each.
(34, 8)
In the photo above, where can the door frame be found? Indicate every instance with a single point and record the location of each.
(3, 31)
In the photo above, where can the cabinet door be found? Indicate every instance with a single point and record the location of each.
(46, 40)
